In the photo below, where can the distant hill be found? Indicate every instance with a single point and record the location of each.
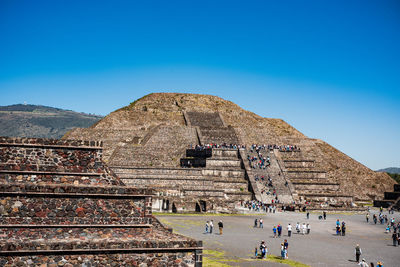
(41, 121)
(390, 170)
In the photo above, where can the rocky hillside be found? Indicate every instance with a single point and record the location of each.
(154, 131)
(41, 121)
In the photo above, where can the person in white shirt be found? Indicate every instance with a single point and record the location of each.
(289, 230)
(303, 228)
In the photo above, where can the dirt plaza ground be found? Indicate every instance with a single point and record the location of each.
(322, 247)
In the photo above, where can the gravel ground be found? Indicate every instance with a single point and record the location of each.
(320, 248)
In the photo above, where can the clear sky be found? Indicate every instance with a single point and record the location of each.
(329, 68)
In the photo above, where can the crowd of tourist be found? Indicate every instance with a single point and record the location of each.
(303, 229)
(391, 226)
(254, 147)
(340, 228)
(282, 148)
(259, 161)
(255, 205)
(262, 254)
(223, 145)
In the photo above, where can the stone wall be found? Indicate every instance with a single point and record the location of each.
(221, 184)
(183, 259)
(61, 205)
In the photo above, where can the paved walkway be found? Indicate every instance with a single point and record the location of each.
(321, 248)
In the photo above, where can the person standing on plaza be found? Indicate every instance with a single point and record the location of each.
(308, 215)
(263, 249)
(303, 229)
(308, 228)
(207, 225)
(220, 226)
(324, 214)
(261, 223)
(394, 237)
(286, 245)
(367, 217)
(343, 228)
(358, 252)
(283, 251)
(298, 228)
(289, 230)
(279, 230)
(256, 223)
(274, 231)
(211, 226)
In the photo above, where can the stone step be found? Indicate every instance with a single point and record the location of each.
(181, 171)
(210, 163)
(301, 187)
(327, 197)
(306, 175)
(224, 153)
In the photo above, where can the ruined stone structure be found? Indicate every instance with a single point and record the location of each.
(145, 141)
(391, 200)
(60, 205)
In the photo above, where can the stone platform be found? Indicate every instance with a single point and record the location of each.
(219, 186)
(60, 204)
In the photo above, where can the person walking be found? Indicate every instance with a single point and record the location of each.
(324, 214)
(398, 239)
(289, 230)
(211, 226)
(308, 228)
(298, 228)
(261, 223)
(358, 252)
(343, 228)
(308, 215)
(394, 237)
(207, 225)
(279, 230)
(303, 228)
(367, 217)
(220, 226)
(255, 223)
(274, 231)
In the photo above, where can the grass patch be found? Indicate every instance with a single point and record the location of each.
(289, 262)
(216, 258)
(277, 259)
(207, 262)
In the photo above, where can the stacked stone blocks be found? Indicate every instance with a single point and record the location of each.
(60, 204)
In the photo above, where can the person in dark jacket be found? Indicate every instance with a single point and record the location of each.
(358, 252)
(220, 226)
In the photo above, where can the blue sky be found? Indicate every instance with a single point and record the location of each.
(329, 68)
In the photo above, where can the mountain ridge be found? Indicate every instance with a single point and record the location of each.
(390, 170)
(26, 120)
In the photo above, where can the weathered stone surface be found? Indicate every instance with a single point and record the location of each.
(60, 196)
(154, 131)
